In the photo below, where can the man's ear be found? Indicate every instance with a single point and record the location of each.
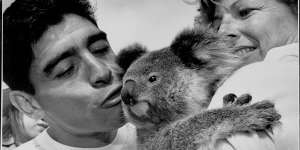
(129, 54)
(27, 104)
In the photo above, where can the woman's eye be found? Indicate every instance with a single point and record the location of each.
(65, 72)
(152, 79)
(244, 13)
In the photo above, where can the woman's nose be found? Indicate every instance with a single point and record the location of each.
(229, 27)
(100, 74)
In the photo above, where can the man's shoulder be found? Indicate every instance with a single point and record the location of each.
(33, 144)
(27, 146)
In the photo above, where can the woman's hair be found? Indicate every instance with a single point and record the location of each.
(12, 119)
(207, 9)
(13, 126)
(6, 126)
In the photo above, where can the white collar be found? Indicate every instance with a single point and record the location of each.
(45, 142)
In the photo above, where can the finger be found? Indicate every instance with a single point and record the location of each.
(229, 99)
(243, 99)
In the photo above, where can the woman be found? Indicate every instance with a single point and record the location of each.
(17, 128)
(266, 32)
(259, 25)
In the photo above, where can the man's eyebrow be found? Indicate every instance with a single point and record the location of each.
(54, 61)
(93, 38)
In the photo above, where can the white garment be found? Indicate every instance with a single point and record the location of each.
(274, 79)
(4, 85)
(125, 140)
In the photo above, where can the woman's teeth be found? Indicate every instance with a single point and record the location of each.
(244, 51)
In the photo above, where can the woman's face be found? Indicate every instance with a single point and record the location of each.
(33, 127)
(258, 25)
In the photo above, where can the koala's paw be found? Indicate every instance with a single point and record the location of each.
(259, 116)
(231, 99)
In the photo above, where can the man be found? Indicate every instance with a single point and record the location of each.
(60, 67)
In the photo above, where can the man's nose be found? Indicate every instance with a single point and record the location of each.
(100, 74)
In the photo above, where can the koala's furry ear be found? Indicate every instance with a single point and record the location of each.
(203, 46)
(129, 54)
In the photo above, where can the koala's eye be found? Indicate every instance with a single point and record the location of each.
(152, 79)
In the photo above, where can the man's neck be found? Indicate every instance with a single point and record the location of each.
(93, 140)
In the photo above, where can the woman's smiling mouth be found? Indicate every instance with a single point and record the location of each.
(244, 50)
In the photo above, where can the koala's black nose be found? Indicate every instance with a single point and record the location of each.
(128, 93)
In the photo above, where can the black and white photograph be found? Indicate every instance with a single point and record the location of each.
(150, 75)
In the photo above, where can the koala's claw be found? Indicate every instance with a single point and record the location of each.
(243, 99)
(232, 99)
(262, 115)
(229, 99)
(262, 105)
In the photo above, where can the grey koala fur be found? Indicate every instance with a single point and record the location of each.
(166, 92)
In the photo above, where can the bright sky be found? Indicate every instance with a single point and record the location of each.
(153, 23)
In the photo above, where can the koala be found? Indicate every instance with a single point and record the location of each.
(166, 92)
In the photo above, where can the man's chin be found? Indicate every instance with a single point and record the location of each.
(253, 56)
(115, 116)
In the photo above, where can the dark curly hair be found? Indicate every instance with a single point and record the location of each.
(293, 4)
(24, 22)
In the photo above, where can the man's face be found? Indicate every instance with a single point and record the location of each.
(76, 78)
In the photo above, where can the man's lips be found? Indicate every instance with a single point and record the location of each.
(113, 97)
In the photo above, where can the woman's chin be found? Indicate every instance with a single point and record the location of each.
(252, 56)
